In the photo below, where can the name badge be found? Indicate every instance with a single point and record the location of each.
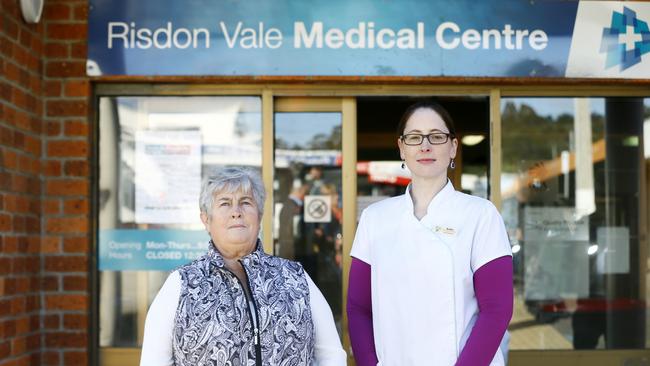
(444, 230)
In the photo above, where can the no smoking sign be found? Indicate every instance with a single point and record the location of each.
(318, 209)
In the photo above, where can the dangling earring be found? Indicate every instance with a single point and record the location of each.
(452, 164)
(403, 165)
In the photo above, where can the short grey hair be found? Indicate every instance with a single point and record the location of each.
(229, 180)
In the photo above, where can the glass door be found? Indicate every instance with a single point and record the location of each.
(308, 191)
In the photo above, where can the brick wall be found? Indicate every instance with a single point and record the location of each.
(44, 186)
(21, 125)
(66, 186)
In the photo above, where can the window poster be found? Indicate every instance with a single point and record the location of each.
(167, 176)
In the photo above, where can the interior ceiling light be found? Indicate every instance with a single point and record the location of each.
(471, 140)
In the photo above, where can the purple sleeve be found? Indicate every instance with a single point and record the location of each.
(493, 288)
(359, 311)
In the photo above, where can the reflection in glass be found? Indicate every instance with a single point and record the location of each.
(153, 154)
(573, 172)
(308, 207)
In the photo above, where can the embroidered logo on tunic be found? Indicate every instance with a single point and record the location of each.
(444, 230)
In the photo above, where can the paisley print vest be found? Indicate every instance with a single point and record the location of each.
(214, 320)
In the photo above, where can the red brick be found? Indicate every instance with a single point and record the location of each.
(50, 283)
(67, 148)
(77, 88)
(52, 322)
(52, 88)
(52, 206)
(67, 187)
(35, 84)
(18, 346)
(76, 358)
(66, 340)
(32, 224)
(33, 247)
(51, 244)
(53, 128)
(75, 283)
(24, 58)
(63, 31)
(76, 244)
(79, 50)
(18, 305)
(11, 243)
(22, 284)
(18, 139)
(5, 222)
(52, 168)
(36, 124)
(25, 39)
(75, 206)
(81, 11)
(66, 108)
(56, 11)
(33, 145)
(25, 163)
(51, 358)
(19, 98)
(65, 69)
(37, 45)
(63, 225)
(75, 321)
(22, 325)
(33, 303)
(58, 263)
(5, 268)
(21, 119)
(76, 128)
(55, 50)
(6, 135)
(66, 302)
(5, 350)
(12, 72)
(19, 224)
(78, 168)
(34, 344)
(5, 179)
(9, 285)
(11, 27)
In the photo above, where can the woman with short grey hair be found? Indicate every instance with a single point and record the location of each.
(237, 305)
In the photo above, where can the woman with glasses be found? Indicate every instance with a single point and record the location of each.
(431, 275)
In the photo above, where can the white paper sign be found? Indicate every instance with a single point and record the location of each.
(317, 208)
(167, 176)
(555, 223)
(613, 250)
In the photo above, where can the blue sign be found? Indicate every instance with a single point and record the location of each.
(149, 250)
(504, 38)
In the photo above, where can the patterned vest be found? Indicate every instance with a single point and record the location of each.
(214, 324)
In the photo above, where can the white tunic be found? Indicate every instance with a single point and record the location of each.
(423, 300)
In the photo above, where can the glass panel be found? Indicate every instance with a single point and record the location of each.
(573, 175)
(154, 152)
(308, 206)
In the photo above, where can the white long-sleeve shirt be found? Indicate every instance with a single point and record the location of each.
(157, 346)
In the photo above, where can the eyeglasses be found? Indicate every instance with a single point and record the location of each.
(436, 138)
